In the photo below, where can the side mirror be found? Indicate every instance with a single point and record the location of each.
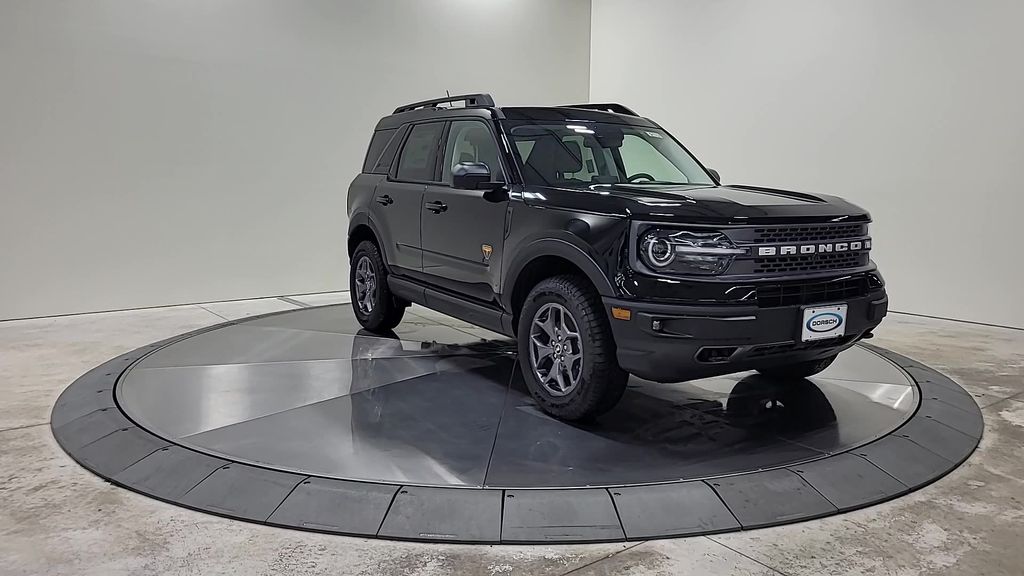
(714, 174)
(471, 176)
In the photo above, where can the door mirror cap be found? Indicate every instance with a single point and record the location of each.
(472, 176)
(714, 174)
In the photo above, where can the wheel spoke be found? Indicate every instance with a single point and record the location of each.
(560, 376)
(566, 331)
(541, 350)
(547, 326)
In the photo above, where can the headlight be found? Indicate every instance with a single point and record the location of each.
(687, 251)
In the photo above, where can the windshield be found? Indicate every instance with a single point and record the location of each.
(571, 154)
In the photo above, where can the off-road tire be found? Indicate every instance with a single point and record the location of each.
(602, 381)
(387, 309)
(798, 369)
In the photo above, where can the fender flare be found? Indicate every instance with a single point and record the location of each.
(363, 219)
(564, 247)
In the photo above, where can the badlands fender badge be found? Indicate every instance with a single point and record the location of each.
(486, 249)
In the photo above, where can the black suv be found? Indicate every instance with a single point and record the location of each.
(597, 240)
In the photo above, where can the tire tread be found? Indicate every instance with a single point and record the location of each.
(608, 380)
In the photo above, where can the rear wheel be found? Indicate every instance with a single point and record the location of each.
(798, 369)
(374, 305)
(567, 351)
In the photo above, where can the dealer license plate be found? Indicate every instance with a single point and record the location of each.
(821, 322)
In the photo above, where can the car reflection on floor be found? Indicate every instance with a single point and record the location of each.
(465, 417)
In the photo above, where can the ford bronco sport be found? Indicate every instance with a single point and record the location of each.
(593, 237)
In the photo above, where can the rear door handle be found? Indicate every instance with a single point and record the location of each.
(385, 200)
(436, 206)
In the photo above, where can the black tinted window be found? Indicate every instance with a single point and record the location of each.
(377, 144)
(420, 152)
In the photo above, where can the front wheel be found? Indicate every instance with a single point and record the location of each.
(375, 307)
(567, 351)
(798, 369)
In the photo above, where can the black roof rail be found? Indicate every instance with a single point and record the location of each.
(608, 107)
(469, 99)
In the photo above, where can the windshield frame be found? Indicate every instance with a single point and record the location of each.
(706, 178)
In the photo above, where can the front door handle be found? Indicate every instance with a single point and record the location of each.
(436, 206)
(385, 200)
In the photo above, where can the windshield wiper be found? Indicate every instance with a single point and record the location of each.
(658, 182)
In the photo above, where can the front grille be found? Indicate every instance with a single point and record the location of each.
(805, 293)
(811, 262)
(808, 233)
(786, 347)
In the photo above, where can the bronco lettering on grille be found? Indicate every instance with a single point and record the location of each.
(792, 250)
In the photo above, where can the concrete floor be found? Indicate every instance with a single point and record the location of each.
(56, 518)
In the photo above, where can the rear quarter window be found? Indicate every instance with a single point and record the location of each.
(378, 144)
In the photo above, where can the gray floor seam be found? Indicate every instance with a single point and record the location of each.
(497, 430)
(294, 302)
(724, 503)
(1012, 398)
(927, 449)
(1004, 326)
(212, 312)
(603, 558)
(147, 455)
(943, 424)
(813, 487)
(23, 427)
(159, 306)
(615, 508)
(297, 484)
(388, 510)
(754, 560)
(868, 460)
(205, 478)
(964, 410)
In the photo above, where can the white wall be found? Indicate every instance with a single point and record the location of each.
(177, 151)
(912, 109)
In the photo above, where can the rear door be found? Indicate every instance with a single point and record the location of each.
(463, 230)
(398, 201)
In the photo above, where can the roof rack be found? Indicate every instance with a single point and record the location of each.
(468, 99)
(608, 107)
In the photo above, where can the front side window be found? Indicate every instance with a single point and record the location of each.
(471, 141)
(419, 155)
(586, 153)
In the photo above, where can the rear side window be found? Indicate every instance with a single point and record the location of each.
(419, 155)
(377, 145)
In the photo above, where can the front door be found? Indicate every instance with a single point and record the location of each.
(463, 231)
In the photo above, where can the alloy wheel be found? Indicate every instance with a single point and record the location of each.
(366, 285)
(556, 349)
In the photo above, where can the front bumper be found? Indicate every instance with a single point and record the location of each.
(701, 341)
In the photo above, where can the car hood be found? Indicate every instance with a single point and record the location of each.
(731, 204)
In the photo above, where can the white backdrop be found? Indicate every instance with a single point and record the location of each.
(194, 150)
(164, 152)
(912, 109)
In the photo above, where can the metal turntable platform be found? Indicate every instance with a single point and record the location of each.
(300, 419)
